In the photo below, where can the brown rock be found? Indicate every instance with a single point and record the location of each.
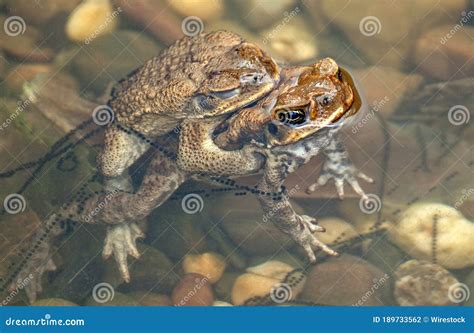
(205, 10)
(385, 87)
(395, 25)
(420, 282)
(24, 44)
(40, 11)
(21, 74)
(104, 61)
(441, 52)
(193, 290)
(155, 16)
(347, 280)
(208, 264)
(244, 224)
(259, 14)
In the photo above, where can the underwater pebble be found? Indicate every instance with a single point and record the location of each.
(25, 46)
(221, 303)
(419, 282)
(223, 287)
(469, 282)
(107, 52)
(258, 14)
(452, 247)
(205, 10)
(337, 230)
(272, 268)
(20, 74)
(3, 65)
(291, 42)
(40, 12)
(193, 290)
(391, 40)
(258, 281)
(207, 264)
(385, 87)
(245, 226)
(347, 280)
(249, 285)
(384, 254)
(289, 258)
(154, 17)
(53, 302)
(185, 236)
(91, 19)
(442, 51)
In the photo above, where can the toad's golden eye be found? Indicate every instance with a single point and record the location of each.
(339, 75)
(292, 117)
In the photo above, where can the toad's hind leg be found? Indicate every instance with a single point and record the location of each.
(160, 181)
(117, 208)
(121, 150)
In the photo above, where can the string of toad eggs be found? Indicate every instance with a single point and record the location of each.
(81, 196)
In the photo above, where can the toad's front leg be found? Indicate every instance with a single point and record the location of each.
(278, 210)
(338, 166)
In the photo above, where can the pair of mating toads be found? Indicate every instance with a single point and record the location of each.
(238, 113)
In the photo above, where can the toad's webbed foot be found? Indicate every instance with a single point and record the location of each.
(120, 241)
(304, 236)
(340, 173)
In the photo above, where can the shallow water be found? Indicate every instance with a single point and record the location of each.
(413, 66)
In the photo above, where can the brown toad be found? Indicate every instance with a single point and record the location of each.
(197, 77)
(288, 127)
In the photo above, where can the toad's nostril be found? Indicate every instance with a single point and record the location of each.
(272, 129)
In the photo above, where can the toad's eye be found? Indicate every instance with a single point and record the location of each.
(339, 75)
(251, 78)
(325, 101)
(292, 117)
